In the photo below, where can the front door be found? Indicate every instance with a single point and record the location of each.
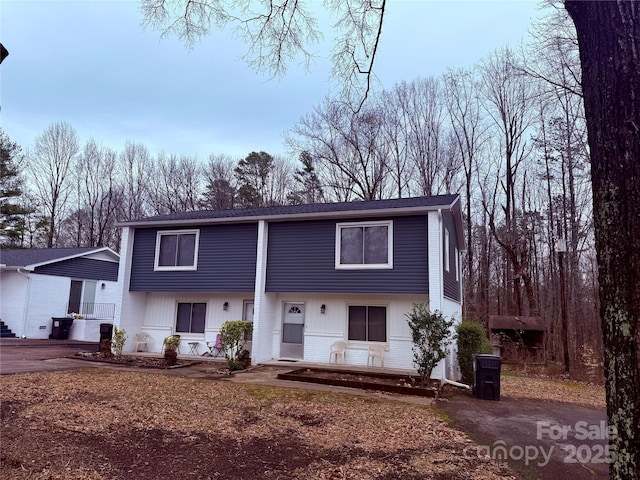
(247, 316)
(75, 297)
(293, 331)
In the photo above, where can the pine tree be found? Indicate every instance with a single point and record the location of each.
(12, 212)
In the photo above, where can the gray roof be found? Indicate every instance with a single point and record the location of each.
(31, 256)
(311, 210)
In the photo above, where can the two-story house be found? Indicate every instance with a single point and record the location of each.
(305, 275)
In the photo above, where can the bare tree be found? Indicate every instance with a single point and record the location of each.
(508, 97)
(98, 193)
(220, 190)
(50, 169)
(279, 182)
(176, 184)
(136, 169)
(346, 149)
(469, 130)
(279, 32)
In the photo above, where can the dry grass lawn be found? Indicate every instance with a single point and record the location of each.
(104, 424)
(552, 389)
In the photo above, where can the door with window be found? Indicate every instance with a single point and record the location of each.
(293, 331)
(82, 297)
(247, 316)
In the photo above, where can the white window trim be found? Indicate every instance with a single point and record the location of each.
(457, 257)
(366, 343)
(185, 336)
(177, 268)
(446, 250)
(369, 266)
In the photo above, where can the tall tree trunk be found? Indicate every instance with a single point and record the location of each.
(609, 40)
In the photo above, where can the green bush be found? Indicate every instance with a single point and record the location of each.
(232, 335)
(431, 334)
(117, 342)
(471, 339)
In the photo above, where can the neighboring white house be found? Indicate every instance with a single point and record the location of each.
(305, 275)
(39, 284)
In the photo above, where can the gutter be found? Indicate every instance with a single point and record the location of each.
(382, 212)
(26, 275)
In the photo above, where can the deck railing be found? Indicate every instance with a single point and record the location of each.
(105, 311)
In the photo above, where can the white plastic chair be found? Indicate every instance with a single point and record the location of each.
(376, 351)
(142, 341)
(338, 349)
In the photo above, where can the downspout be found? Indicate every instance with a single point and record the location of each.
(26, 275)
(441, 267)
(446, 381)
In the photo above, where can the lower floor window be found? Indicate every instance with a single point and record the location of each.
(368, 324)
(191, 317)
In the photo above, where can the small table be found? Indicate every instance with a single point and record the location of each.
(193, 348)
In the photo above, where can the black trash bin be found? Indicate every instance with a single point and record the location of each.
(486, 376)
(60, 328)
(106, 331)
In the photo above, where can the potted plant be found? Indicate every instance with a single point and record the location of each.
(171, 344)
(245, 357)
(232, 335)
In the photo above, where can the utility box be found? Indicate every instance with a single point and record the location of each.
(486, 376)
(60, 328)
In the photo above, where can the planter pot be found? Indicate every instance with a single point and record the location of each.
(170, 356)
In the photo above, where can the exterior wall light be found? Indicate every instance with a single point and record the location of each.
(323, 309)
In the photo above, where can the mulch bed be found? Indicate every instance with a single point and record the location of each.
(386, 382)
(133, 361)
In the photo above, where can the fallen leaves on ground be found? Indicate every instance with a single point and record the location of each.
(105, 424)
(557, 390)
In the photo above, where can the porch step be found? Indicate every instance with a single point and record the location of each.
(5, 332)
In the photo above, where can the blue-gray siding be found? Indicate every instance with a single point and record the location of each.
(226, 262)
(82, 268)
(451, 285)
(301, 258)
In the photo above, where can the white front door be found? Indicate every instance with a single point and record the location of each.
(247, 316)
(292, 331)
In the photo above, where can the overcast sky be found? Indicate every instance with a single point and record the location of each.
(91, 64)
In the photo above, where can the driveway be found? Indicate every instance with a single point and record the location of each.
(24, 355)
(546, 440)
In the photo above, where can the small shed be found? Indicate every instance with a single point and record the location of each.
(518, 339)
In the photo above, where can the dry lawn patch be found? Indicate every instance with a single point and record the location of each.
(553, 389)
(103, 424)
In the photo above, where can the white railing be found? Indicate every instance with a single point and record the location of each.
(105, 311)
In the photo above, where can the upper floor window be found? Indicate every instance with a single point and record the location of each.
(446, 250)
(457, 257)
(177, 250)
(364, 245)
